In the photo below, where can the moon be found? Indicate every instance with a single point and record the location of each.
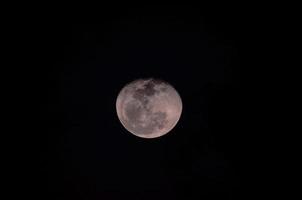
(148, 108)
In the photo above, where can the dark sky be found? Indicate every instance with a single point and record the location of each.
(88, 56)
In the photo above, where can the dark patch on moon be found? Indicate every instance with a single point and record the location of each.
(139, 95)
(149, 89)
(159, 119)
(143, 95)
(133, 112)
(163, 89)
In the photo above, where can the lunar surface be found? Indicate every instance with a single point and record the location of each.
(148, 108)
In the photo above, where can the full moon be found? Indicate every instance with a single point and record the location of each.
(148, 108)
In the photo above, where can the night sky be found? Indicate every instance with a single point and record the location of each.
(86, 59)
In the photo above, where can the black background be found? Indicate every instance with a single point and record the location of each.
(87, 56)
